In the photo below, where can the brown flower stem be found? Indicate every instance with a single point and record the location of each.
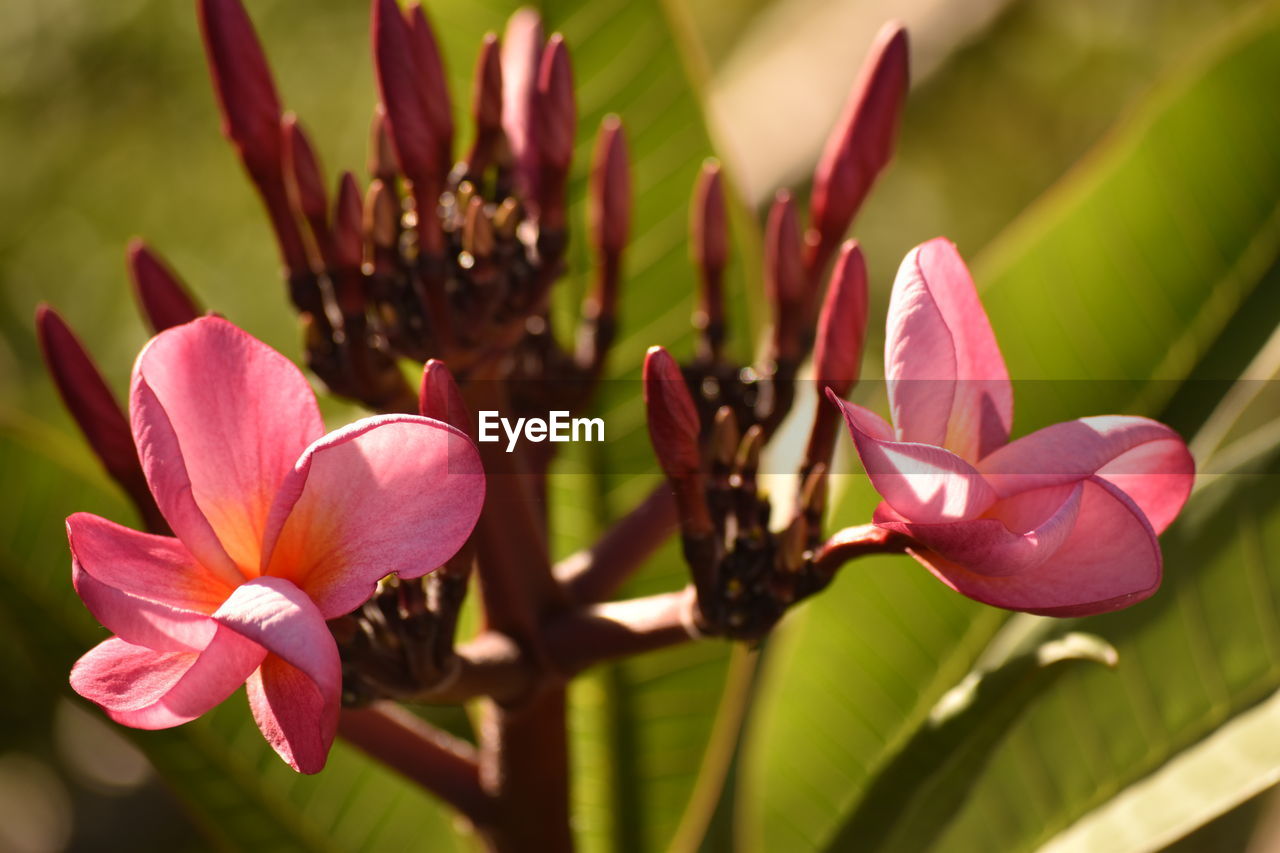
(439, 762)
(516, 583)
(493, 665)
(524, 767)
(595, 574)
(853, 542)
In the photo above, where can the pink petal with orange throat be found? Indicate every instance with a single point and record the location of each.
(219, 418)
(396, 493)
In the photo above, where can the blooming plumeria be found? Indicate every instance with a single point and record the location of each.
(278, 528)
(1061, 522)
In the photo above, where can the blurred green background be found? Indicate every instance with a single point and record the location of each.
(1112, 167)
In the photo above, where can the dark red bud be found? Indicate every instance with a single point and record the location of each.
(842, 326)
(431, 82)
(348, 216)
(784, 277)
(486, 103)
(710, 225)
(381, 216)
(556, 117)
(673, 417)
(610, 188)
(161, 296)
(397, 71)
(382, 157)
(522, 44)
(439, 397)
(242, 81)
(862, 143)
(302, 171)
(95, 411)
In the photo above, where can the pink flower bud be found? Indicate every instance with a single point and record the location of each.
(348, 217)
(242, 81)
(439, 397)
(410, 129)
(431, 82)
(842, 326)
(486, 103)
(610, 188)
(522, 45)
(785, 282)
(163, 299)
(302, 171)
(862, 143)
(710, 226)
(557, 113)
(95, 410)
(673, 417)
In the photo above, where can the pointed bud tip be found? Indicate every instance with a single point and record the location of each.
(842, 325)
(439, 396)
(487, 96)
(710, 223)
(161, 296)
(431, 79)
(861, 145)
(672, 416)
(303, 177)
(611, 187)
(242, 81)
(556, 119)
(347, 218)
(409, 126)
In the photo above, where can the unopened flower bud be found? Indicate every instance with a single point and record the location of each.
(522, 45)
(709, 224)
(439, 397)
(556, 117)
(302, 171)
(242, 80)
(842, 326)
(95, 411)
(348, 216)
(486, 101)
(862, 143)
(610, 197)
(784, 277)
(432, 84)
(382, 157)
(163, 299)
(381, 216)
(673, 417)
(412, 138)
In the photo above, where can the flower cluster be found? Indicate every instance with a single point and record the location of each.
(293, 556)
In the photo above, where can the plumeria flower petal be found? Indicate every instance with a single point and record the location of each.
(278, 528)
(1060, 522)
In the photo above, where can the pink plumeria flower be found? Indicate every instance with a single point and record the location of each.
(278, 527)
(1061, 522)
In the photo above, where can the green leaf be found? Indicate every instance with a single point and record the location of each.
(1134, 267)
(641, 727)
(916, 794)
(1175, 742)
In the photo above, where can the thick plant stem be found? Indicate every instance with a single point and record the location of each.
(523, 745)
(439, 762)
(524, 766)
(595, 574)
